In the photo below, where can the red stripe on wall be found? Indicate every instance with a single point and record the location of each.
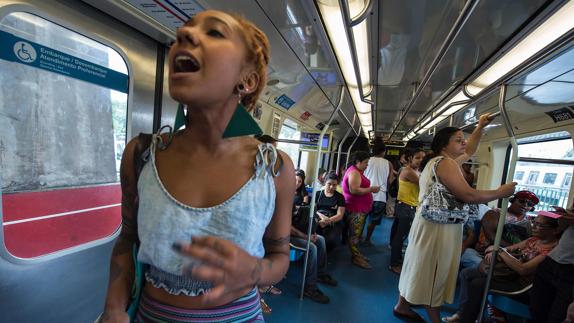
(36, 238)
(18, 206)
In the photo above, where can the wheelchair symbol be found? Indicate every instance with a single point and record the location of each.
(25, 52)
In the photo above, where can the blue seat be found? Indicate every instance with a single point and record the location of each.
(296, 252)
(502, 301)
(309, 189)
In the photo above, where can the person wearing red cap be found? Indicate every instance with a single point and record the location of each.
(513, 270)
(552, 296)
(521, 203)
(517, 228)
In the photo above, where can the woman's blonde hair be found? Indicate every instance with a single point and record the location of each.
(257, 46)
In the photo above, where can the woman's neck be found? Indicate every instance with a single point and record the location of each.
(327, 194)
(446, 154)
(206, 125)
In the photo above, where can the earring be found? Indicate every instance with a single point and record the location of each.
(240, 88)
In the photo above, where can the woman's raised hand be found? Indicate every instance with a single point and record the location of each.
(507, 189)
(228, 267)
(484, 120)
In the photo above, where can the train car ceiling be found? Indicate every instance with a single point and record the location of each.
(304, 82)
(507, 63)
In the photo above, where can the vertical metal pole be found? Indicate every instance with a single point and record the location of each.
(313, 201)
(503, 209)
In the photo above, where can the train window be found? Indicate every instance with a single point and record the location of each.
(518, 176)
(550, 155)
(533, 177)
(63, 121)
(289, 130)
(549, 178)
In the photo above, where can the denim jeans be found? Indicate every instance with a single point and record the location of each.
(552, 291)
(317, 262)
(470, 258)
(404, 216)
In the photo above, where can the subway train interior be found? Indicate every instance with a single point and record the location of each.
(80, 78)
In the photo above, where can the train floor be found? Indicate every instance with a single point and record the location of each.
(361, 295)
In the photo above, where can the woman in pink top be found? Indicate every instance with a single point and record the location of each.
(358, 191)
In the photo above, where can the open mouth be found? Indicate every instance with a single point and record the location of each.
(185, 64)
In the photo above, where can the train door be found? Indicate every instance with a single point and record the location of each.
(76, 84)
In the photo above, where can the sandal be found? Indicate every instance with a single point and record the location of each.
(270, 290)
(362, 263)
(451, 319)
(396, 269)
(266, 309)
(274, 290)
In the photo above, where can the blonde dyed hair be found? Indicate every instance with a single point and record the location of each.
(257, 46)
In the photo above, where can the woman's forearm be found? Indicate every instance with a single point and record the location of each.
(272, 268)
(121, 276)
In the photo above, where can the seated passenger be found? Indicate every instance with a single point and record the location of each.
(514, 268)
(316, 264)
(330, 210)
(517, 226)
(301, 196)
(551, 296)
(468, 259)
(319, 183)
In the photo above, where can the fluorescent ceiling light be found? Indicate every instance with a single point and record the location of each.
(431, 121)
(554, 27)
(460, 96)
(335, 26)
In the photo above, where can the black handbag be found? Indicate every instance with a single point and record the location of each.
(300, 219)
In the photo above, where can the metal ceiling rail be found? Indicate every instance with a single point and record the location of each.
(493, 115)
(438, 113)
(363, 15)
(517, 71)
(449, 40)
(349, 23)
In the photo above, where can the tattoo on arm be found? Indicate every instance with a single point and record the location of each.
(256, 272)
(276, 242)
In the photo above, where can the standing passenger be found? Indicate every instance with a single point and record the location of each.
(380, 173)
(207, 246)
(358, 191)
(430, 268)
(407, 201)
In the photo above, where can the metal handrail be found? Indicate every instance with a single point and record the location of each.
(529, 63)
(340, 149)
(313, 198)
(344, 6)
(492, 115)
(363, 15)
(349, 151)
(449, 40)
(503, 210)
(438, 113)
